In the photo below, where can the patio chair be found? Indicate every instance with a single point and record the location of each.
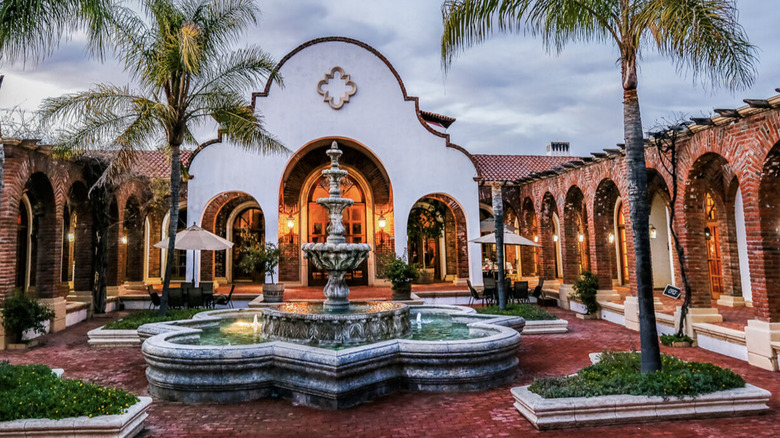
(520, 292)
(195, 297)
(490, 291)
(225, 300)
(155, 299)
(474, 295)
(208, 293)
(538, 290)
(176, 298)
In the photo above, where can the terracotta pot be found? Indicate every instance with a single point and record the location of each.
(273, 293)
(681, 344)
(402, 292)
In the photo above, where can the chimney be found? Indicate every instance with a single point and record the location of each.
(558, 149)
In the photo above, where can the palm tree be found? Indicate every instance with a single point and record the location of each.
(702, 36)
(186, 74)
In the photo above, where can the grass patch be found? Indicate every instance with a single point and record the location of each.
(33, 391)
(137, 319)
(619, 373)
(528, 311)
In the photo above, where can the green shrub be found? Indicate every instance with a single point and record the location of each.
(398, 271)
(527, 311)
(669, 339)
(585, 289)
(21, 313)
(137, 319)
(620, 373)
(33, 391)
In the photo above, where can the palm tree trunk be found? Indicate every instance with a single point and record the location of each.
(639, 212)
(498, 216)
(172, 225)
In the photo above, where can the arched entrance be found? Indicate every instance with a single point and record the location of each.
(246, 228)
(436, 232)
(529, 228)
(609, 222)
(370, 220)
(38, 265)
(549, 238)
(576, 257)
(769, 212)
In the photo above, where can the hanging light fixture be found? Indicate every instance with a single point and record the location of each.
(611, 238)
(382, 222)
(290, 222)
(707, 233)
(71, 237)
(653, 232)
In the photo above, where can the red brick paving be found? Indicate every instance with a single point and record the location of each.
(484, 414)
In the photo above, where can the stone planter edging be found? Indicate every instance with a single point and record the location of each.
(101, 337)
(559, 413)
(128, 424)
(546, 327)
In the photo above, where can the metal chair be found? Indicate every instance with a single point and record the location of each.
(520, 292)
(155, 299)
(195, 297)
(474, 295)
(491, 291)
(225, 300)
(176, 298)
(208, 293)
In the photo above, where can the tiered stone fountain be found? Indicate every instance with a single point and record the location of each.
(334, 354)
(336, 322)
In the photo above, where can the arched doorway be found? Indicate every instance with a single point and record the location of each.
(38, 265)
(768, 309)
(353, 218)
(621, 244)
(576, 243)
(247, 229)
(25, 246)
(607, 218)
(436, 236)
(549, 238)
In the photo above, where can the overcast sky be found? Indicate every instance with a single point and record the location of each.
(509, 96)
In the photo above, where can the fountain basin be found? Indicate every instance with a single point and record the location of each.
(180, 370)
(313, 324)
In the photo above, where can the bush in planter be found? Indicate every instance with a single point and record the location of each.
(585, 289)
(400, 274)
(21, 313)
(668, 340)
(264, 259)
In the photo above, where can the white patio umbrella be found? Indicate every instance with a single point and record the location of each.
(196, 238)
(489, 225)
(510, 238)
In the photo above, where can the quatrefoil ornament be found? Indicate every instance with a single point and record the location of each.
(342, 87)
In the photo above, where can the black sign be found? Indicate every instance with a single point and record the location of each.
(673, 292)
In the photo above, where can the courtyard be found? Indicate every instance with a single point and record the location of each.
(487, 413)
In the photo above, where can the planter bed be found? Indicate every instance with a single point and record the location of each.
(546, 327)
(559, 411)
(101, 337)
(128, 424)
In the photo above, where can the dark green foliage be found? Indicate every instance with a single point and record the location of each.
(669, 339)
(21, 313)
(398, 271)
(256, 257)
(527, 311)
(620, 373)
(585, 289)
(33, 391)
(137, 319)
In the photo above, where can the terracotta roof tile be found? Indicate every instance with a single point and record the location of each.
(514, 167)
(155, 164)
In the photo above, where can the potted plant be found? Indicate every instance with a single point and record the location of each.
(676, 340)
(21, 313)
(267, 259)
(425, 222)
(585, 289)
(401, 275)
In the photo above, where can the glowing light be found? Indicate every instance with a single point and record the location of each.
(71, 237)
(536, 239)
(707, 233)
(290, 222)
(382, 222)
(581, 237)
(653, 232)
(123, 240)
(611, 238)
(555, 237)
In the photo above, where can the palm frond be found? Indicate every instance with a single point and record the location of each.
(705, 37)
(238, 71)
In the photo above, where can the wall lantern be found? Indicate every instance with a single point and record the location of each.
(707, 233)
(382, 222)
(290, 222)
(555, 237)
(581, 237)
(71, 237)
(653, 232)
(536, 239)
(611, 238)
(123, 239)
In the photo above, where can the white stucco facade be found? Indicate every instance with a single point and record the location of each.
(417, 159)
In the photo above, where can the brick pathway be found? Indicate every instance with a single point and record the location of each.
(484, 414)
